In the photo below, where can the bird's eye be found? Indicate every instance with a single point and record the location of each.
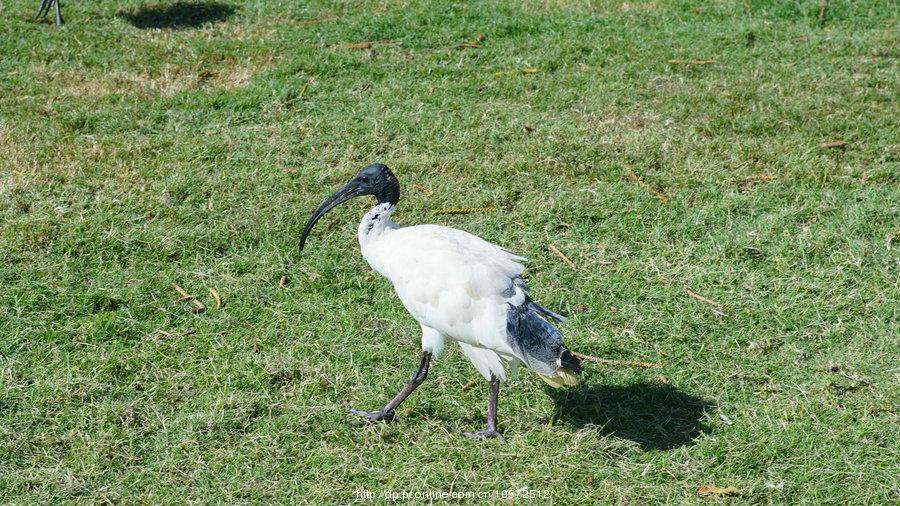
(364, 179)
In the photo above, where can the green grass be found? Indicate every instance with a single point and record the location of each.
(133, 157)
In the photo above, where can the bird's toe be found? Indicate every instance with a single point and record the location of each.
(375, 416)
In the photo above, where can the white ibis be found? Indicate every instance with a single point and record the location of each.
(458, 287)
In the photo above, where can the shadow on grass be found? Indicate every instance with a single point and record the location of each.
(179, 15)
(658, 417)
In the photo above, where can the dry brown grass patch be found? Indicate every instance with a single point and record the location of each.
(167, 81)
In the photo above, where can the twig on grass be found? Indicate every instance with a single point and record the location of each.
(362, 45)
(290, 103)
(526, 70)
(703, 299)
(466, 210)
(565, 259)
(182, 292)
(315, 21)
(199, 307)
(472, 44)
(170, 335)
(693, 62)
(469, 385)
(823, 9)
(833, 144)
(643, 184)
(608, 361)
(216, 296)
(708, 490)
(359, 45)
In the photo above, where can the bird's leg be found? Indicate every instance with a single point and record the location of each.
(46, 5)
(491, 430)
(387, 413)
(59, 19)
(45, 8)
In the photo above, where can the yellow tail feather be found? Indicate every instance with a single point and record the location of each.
(564, 377)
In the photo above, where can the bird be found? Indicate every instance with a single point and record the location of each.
(458, 287)
(45, 9)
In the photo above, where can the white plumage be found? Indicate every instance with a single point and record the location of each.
(455, 284)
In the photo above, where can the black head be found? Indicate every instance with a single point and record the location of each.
(376, 179)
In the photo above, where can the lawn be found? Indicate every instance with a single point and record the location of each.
(665, 148)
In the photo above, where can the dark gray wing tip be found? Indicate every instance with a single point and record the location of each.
(568, 360)
(534, 306)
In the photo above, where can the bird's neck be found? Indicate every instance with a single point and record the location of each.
(375, 226)
(375, 223)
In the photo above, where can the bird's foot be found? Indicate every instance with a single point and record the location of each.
(488, 433)
(376, 416)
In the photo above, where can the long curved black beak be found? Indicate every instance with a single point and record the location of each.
(337, 198)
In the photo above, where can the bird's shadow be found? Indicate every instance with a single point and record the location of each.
(656, 416)
(179, 15)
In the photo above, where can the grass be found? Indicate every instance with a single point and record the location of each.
(151, 143)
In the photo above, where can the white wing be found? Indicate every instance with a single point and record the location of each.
(454, 282)
(464, 288)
